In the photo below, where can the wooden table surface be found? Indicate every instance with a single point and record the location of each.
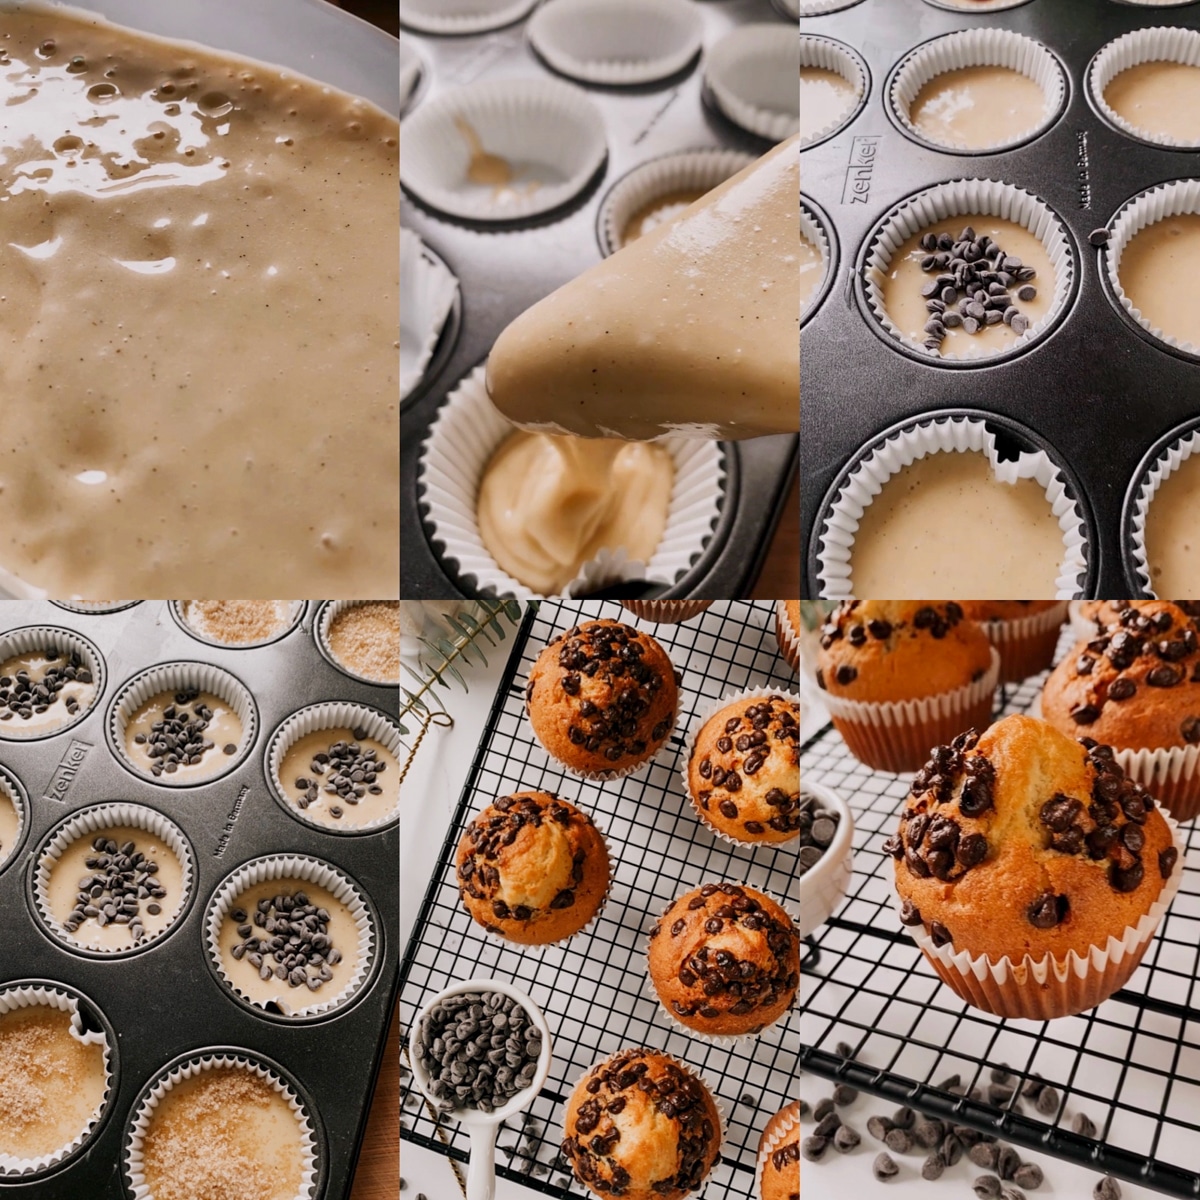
(780, 578)
(378, 1174)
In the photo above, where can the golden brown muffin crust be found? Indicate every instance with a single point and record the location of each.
(532, 868)
(1024, 841)
(881, 650)
(725, 960)
(1134, 685)
(643, 1127)
(781, 1171)
(602, 696)
(1005, 610)
(744, 770)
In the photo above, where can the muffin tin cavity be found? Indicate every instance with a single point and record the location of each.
(238, 624)
(818, 258)
(834, 83)
(13, 817)
(50, 680)
(1146, 84)
(361, 638)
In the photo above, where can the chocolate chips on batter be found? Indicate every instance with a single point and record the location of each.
(345, 770)
(21, 696)
(294, 943)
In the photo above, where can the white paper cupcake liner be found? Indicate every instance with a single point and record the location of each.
(715, 1039)
(1167, 200)
(10, 786)
(968, 198)
(427, 294)
(304, 870)
(461, 17)
(752, 72)
(40, 637)
(1162, 44)
(236, 1060)
(778, 1136)
(175, 677)
(700, 170)
(813, 232)
(96, 606)
(295, 613)
(979, 48)
(13, 998)
(948, 435)
(833, 56)
(411, 68)
(1155, 3)
(331, 715)
(466, 433)
(689, 744)
(789, 637)
(552, 128)
(1168, 462)
(1077, 981)
(976, 6)
(618, 43)
(88, 824)
(329, 610)
(818, 8)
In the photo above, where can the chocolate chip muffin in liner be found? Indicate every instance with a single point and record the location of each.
(787, 630)
(301, 999)
(979, 48)
(589, 1115)
(99, 822)
(72, 702)
(1167, 463)
(1020, 871)
(1161, 44)
(942, 435)
(666, 612)
(329, 613)
(726, 799)
(589, 884)
(290, 612)
(467, 432)
(1024, 631)
(184, 678)
(725, 1026)
(829, 55)
(11, 839)
(23, 997)
(234, 1060)
(780, 1138)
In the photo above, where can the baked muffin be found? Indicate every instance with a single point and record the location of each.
(1093, 616)
(1135, 686)
(1024, 843)
(725, 960)
(779, 1156)
(743, 774)
(787, 630)
(666, 612)
(532, 868)
(642, 1126)
(1024, 631)
(904, 675)
(602, 698)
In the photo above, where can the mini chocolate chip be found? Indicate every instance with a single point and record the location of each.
(1165, 675)
(1122, 689)
(972, 850)
(910, 914)
(1085, 714)
(939, 933)
(846, 674)
(1127, 879)
(1166, 861)
(1107, 1189)
(884, 1167)
(1190, 729)
(1048, 910)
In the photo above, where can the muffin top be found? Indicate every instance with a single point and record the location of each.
(880, 650)
(532, 868)
(602, 696)
(1005, 610)
(1108, 612)
(780, 1178)
(1136, 684)
(639, 1125)
(744, 770)
(725, 959)
(1025, 841)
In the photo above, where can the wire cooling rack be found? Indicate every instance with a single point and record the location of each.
(593, 989)
(1132, 1065)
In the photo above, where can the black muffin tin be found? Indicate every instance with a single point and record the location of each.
(503, 269)
(1096, 391)
(167, 1004)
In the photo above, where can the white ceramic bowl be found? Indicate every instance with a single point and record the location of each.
(822, 887)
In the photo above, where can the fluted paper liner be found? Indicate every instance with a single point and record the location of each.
(243, 1060)
(831, 56)
(666, 612)
(1161, 44)
(10, 788)
(1169, 775)
(95, 821)
(467, 432)
(618, 43)
(977, 6)
(293, 868)
(330, 715)
(484, 15)
(1168, 462)
(12, 998)
(329, 610)
(1157, 3)
(788, 637)
(788, 1119)
(538, 121)
(427, 294)
(96, 607)
(692, 169)
(1026, 644)
(813, 233)
(752, 72)
(716, 1039)
(979, 48)
(689, 744)
(817, 8)
(33, 638)
(177, 677)
(1167, 200)
(410, 73)
(943, 435)
(1051, 987)
(295, 612)
(897, 735)
(967, 198)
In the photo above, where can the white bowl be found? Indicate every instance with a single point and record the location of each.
(822, 887)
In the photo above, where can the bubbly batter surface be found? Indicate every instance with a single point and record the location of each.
(658, 212)
(1173, 533)
(945, 520)
(825, 97)
(1158, 272)
(1158, 98)
(198, 315)
(974, 107)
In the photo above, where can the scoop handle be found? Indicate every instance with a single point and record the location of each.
(481, 1173)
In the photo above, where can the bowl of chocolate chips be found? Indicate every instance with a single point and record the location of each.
(825, 854)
